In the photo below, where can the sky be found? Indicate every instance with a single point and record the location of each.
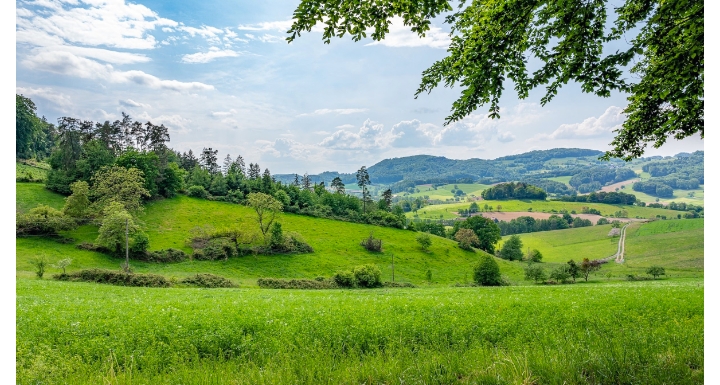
(221, 75)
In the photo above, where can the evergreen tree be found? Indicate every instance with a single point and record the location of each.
(338, 185)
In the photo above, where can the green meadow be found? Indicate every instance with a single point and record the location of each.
(445, 191)
(617, 333)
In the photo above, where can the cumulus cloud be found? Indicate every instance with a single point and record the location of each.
(132, 104)
(505, 137)
(212, 54)
(279, 26)
(66, 63)
(337, 111)
(401, 36)
(288, 148)
(52, 96)
(412, 133)
(223, 114)
(370, 136)
(211, 34)
(591, 127)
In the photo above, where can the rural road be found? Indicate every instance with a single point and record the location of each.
(620, 255)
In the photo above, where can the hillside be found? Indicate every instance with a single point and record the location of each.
(337, 246)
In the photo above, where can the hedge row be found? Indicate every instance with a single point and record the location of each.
(115, 278)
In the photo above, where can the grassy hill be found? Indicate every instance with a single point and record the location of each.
(337, 245)
(445, 192)
(677, 245)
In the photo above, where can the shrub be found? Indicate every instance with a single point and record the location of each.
(423, 239)
(397, 284)
(62, 264)
(603, 221)
(208, 280)
(512, 249)
(655, 271)
(561, 274)
(466, 238)
(40, 264)
(371, 244)
(42, 220)
(367, 276)
(163, 256)
(487, 271)
(274, 283)
(535, 272)
(212, 252)
(115, 278)
(197, 192)
(534, 256)
(345, 279)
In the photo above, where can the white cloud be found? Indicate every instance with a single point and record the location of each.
(591, 127)
(371, 136)
(288, 148)
(176, 124)
(95, 23)
(279, 26)
(211, 34)
(412, 133)
(337, 111)
(223, 114)
(401, 36)
(270, 38)
(505, 137)
(344, 127)
(57, 98)
(212, 54)
(66, 63)
(133, 104)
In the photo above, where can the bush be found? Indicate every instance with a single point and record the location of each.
(466, 238)
(40, 264)
(163, 256)
(397, 284)
(208, 280)
(42, 220)
(655, 271)
(534, 256)
(367, 276)
(345, 279)
(115, 278)
(487, 272)
(561, 274)
(307, 284)
(535, 272)
(372, 244)
(424, 241)
(197, 192)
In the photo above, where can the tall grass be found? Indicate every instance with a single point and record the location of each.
(641, 332)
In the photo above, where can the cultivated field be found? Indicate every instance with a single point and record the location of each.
(630, 332)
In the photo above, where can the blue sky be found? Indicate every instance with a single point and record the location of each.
(222, 76)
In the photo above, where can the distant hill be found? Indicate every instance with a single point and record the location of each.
(420, 169)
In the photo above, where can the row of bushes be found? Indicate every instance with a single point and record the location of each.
(121, 278)
(319, 283)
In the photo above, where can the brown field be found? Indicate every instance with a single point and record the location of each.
(612, 187)
(507, 216)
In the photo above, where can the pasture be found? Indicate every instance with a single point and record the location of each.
(628, 332)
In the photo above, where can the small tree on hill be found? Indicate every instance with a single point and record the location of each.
(117, 222)
(424, 240)
(534, 255)
(573, 269)
(487, 272)
(512, 249)
(587, 266)
(560, 274)
(466, 238)
(266, 208)
(76, 205)
(62, 264)
(535, 272)
(655, 271)
(371, 244)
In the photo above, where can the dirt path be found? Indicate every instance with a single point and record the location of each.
(620, 255)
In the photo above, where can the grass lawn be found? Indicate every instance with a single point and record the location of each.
(30, 195)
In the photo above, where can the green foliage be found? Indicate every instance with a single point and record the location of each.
(115, 224)
(147, 163)
(512, 249)
(197, 192)
(266, 208)
(121, 185)
(560, 274)
(655, 271)
(40, 263)
(535, 272)
(277, 240)
(42, 220)
(77, 204)
(487, 272)
(466, 238)
(162, 256)
(207, 280)
(587, 266)
(367, 276)
(218, 186)
(487, 231)
(345, 279)
(115, 278)
(172, 180)
(534, 255)
(424, 241)
(62, 264)
(302, 284)
(514, 190)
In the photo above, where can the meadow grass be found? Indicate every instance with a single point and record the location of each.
(676, 244)
(29, 195)
(562, 179)
(337, 247)
(449, 211)
(559, 246)
(445, 192)
(26, 170)
(679, 196)
(630, 332)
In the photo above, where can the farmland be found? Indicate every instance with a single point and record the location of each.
(632, 332)
(444, 192)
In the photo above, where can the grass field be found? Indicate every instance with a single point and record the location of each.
(29, 171)
(562, 179)
(678, 196)
(337, 247)
(445, 192)
(618, 333)
(449, 211)
(677, 245)
(30, 195)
